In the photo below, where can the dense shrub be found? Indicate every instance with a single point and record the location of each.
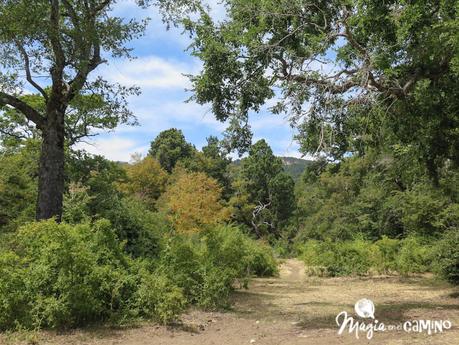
(140, 228)
(377, 194)
(62, 275)
(158, 297)
(361, 257)
(338, 259)
(228, 247)
(447, 256)
(414, 256)
(206, 266)
(261, 261)
(387, 250)
(18, 189)
(132, 222)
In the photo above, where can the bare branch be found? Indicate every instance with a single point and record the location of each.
(27, 70)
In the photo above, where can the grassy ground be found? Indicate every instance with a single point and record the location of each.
(292, 309)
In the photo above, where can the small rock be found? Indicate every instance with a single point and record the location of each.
(252, 341)
(257, 322)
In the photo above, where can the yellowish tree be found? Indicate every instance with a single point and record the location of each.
(193, 201)
(146, 180)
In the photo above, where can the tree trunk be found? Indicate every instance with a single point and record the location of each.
(51, 174)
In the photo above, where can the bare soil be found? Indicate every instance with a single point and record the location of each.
(290, 309)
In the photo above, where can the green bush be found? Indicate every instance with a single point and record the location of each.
(339, 259)
(140, 228)
(215, 288)
(62, 275)
(414, 256)
(158, 297)
(447, 256)
(355, 257)
(361, 257)
(386, 252)
(229, 247)
(261, 260)
(181, 262)
(207, 266)
(18, 188)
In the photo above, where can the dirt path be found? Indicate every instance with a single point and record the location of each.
(295, 309)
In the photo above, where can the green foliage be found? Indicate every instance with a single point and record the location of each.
(375, 195)
(447, 256)
(265, 191)
(419, 208)
(380, 64)
(213, 162)
(62, 275)
(140, 228)
(207, 265)
(261, 261)
(229, 248)
(158, 297)
(281, 188)
(414, 256)
(363, 257)
(76, 204)
(93, 193)
(18, 189)
(169, 147)
(25, 45)
(338, 259)
(387, 252)
(258, 169)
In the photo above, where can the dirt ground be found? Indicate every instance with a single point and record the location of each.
(291, 309)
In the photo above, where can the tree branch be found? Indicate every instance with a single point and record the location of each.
(27, 70)
(30, 113)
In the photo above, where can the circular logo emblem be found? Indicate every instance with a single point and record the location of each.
(365, 308)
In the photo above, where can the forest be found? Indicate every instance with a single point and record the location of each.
(371, 88)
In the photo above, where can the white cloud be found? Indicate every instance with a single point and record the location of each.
(155, 115)
(116, 149)
(150, 72)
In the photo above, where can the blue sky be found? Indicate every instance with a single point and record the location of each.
(158, 70)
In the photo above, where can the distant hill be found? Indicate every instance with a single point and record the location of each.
(294, 166)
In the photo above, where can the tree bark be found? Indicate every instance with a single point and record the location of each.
(51, 174)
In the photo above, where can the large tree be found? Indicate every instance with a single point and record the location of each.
(268, 189)
(52, 47)
(350, 73)
(169, 147)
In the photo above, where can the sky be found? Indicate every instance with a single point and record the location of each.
(162, 61)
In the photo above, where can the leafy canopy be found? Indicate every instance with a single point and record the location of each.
(169, 147)
(351, 74)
